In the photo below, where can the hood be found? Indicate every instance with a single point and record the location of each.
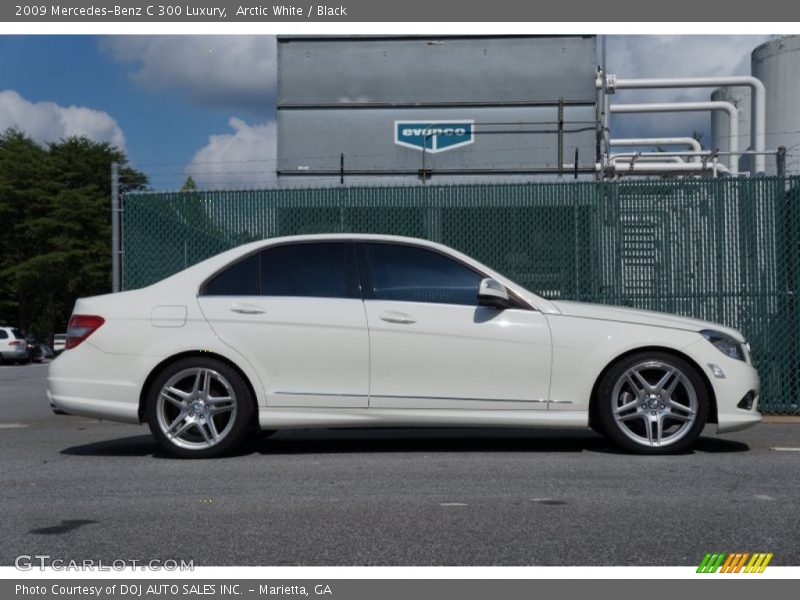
(640, 317)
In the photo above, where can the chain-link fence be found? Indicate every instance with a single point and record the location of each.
(725, 250)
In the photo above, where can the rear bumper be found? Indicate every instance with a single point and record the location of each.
(91, 383)
(15, 354)
(53, 407)
(93, 407)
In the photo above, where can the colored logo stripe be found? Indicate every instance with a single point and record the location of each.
(758, 563)
(734, 562)
(711, 563)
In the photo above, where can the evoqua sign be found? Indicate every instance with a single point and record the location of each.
(434, 136)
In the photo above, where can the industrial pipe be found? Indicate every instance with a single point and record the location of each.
(657, 168)
(759, 104)
(666, 141)
(627, 157)
(733, 122)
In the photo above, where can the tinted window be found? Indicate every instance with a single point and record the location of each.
(3, 334)
(413, 274)
(17, 334)
(240, 279)
(323, 270)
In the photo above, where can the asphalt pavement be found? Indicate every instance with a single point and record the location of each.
(76, 488)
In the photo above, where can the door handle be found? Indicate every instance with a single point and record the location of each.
(392, 316)
(247, 309)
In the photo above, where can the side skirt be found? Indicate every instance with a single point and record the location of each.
(297, 418)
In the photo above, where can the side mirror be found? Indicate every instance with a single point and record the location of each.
(493, 293)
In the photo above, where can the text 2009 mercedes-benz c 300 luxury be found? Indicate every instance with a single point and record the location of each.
(365, 330)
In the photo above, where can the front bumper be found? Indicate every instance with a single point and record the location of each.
(736, 422)
(729, 393)
(740, 378)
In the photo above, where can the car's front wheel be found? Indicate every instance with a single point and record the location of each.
(652, 403)
(199, 408)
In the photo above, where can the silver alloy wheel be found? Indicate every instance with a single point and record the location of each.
(654, 403)
(196, 408)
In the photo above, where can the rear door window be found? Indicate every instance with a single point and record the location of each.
(318, 270)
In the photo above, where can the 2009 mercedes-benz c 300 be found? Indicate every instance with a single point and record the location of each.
(366, 330)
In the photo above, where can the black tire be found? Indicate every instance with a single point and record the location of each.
(243, 419)
(686, 432)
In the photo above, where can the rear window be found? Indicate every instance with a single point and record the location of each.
(240, 279)
(17, 334)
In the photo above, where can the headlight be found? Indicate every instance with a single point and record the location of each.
(724, 343)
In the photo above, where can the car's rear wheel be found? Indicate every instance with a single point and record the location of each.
(652, 403)
(199, 408)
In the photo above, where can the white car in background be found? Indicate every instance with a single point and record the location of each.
(13, 346)
(370, 331)
(59, 342)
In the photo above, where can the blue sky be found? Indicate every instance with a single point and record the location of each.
(205, 105)
(140, 93)
(72, 70)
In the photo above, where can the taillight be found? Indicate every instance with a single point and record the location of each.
(81, 327)
(14, 343)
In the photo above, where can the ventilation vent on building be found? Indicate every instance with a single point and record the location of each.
(639, 255)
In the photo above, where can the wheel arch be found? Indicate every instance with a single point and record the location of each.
(156, 371)
(712, 412)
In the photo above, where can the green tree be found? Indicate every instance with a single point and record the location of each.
(24, 193)
(57, 200)
(189, 185)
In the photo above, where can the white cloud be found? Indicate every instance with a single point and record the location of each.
(49, 122)
(654, 56)
(219, 71)
(242, 159)
(680, 55)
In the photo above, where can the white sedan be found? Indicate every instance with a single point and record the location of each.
(377, 331)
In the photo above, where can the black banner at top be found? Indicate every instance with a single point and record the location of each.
(440, 11)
